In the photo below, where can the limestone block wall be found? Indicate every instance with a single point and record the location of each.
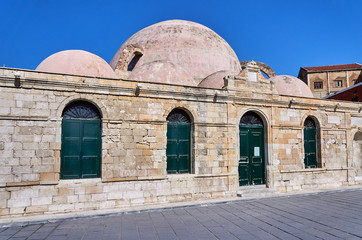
(134, 129)
(94, 194)
(134, 139)
(333, 129)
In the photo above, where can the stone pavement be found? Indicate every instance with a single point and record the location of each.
(326, 215)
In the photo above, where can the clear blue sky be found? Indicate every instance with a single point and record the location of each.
(286, 35)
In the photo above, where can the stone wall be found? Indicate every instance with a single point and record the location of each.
(134, 141)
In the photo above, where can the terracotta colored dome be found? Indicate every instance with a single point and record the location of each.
(162, 72)
(191, 46)
(77, 62)
(216, 80)
(291, 86)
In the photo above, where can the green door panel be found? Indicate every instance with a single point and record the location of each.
(244, 158)
(251, 163)
(81, 148)
(178, 147)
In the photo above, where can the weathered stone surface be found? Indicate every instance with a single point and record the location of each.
(134, 139)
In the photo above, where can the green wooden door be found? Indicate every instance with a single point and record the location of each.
(310, 147)
(251, 163)
(81, 148)
(178, 147)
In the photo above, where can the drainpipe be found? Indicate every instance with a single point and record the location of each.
(328, 88)
(347, 82)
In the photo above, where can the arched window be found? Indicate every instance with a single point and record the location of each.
(310, 143)
(178, 149)
(133, 62)
(81, 141)
(252, 157)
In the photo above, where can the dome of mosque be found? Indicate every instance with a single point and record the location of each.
(291, 86)
(216, 80)
(77, 62)
(190, 47)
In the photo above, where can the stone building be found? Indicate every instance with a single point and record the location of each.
(175, 116)
(326, 80)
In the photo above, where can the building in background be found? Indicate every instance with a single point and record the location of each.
(326, 80)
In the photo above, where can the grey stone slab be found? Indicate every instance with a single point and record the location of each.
(5, 237)
(335, 215)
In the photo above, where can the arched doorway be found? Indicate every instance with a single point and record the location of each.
(252, 157)
(357, 153)
(178, 149)
(310, 143)
(81, 141)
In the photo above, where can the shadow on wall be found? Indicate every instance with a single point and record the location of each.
(359, 79)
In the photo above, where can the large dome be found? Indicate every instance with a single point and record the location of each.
(77, 62)
(187, 45)
(291, 86)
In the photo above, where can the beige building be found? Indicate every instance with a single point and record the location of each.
(326, 80)
(173, 117)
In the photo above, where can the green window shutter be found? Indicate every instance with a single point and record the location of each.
(178, 147)
(310, 147)
(172, 147)
(81, 148)
(91, 148)
(184, 130)
(71, 149)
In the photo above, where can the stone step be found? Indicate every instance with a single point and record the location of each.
(255, 191)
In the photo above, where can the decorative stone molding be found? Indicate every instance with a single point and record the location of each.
(128, 53)
(263, 67)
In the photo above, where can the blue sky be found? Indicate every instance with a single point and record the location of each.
(286, 35)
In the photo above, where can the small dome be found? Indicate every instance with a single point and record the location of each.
(291, 86)
(216, 80)
(77, 62)
(161, 72)
(195, 48)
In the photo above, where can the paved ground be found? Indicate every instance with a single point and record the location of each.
(328, 215)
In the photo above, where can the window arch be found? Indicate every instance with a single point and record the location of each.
(310, 143)
(81, 141)
(81, 110)
(178, 150)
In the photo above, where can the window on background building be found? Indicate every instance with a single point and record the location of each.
(318, 85)
(337, 83)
